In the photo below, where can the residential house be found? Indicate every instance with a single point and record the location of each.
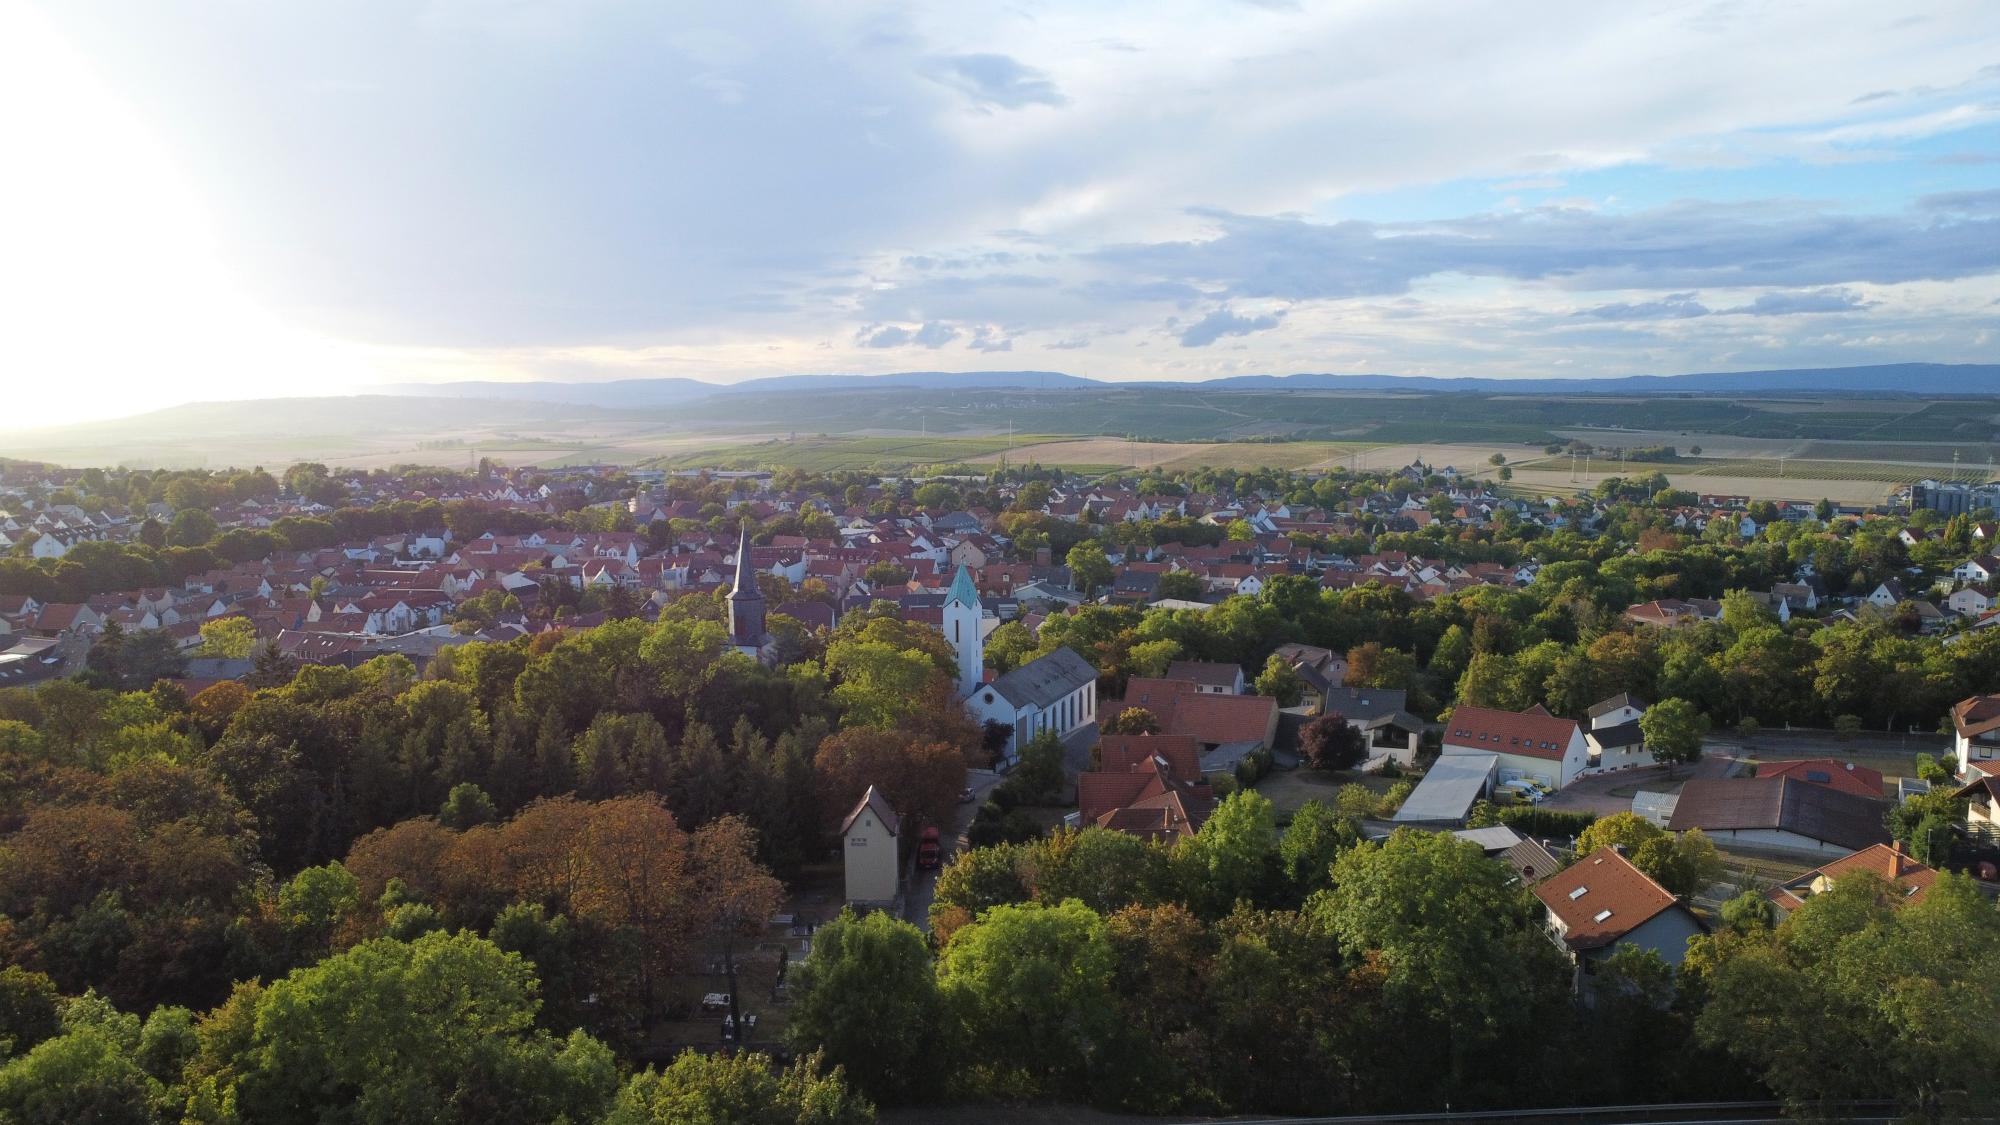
(1970, 601)
(1320, 668)
(1888, 594)
(1976, 735)
(1885, 861)
(1526, 858)
(1228, 727)
(1602, 904)
(1844, 776)
(1532, 744)
(1147, 785)
(1208, 677)
(1382, 717)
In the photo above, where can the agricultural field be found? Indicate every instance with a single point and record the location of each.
(1121, 453)
(830, 454)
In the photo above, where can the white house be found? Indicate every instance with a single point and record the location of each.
(869, 846)
(1976, 736)
(1531, 744)
(1971, 601)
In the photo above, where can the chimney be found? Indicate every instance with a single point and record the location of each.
(1042, 556)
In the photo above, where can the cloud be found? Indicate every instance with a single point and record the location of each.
(1686, 245)
(1673, 306)
(931, 334)
(1223, 322)
(1808, 301)
(993, 82)
(988, 339)
(1981, 203)
(1069, 344)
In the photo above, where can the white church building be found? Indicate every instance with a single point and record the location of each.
(1057, 691)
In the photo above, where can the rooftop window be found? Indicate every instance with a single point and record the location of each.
(1601, 916)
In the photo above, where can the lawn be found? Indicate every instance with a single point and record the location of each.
(1288, 790)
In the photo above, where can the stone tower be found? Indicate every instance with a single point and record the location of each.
(746, 602)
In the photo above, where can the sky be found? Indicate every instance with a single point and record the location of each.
(235, 198)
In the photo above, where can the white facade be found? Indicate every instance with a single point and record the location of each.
(869, 846)
(1548, 771)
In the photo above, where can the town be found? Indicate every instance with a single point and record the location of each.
(1620, 737)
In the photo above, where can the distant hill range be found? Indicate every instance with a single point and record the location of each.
(1920, 379)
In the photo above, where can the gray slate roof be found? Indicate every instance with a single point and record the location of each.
(1045, 679)
(1362, 705)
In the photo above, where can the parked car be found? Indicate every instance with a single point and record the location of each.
(927, 848)
(965, 795)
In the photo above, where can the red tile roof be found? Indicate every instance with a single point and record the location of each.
(1883, 860)
(1214, 719)
(1532, 733)
(1845, 776)
(1601, 899)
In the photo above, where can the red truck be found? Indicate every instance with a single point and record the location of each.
(927, 848)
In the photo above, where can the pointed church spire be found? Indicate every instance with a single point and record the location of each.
(962, 591)
(744, 579)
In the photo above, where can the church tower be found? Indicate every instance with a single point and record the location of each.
(746, 602)
(964, 629)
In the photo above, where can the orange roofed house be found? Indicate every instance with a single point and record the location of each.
(1844, 776)
(1227, 726)
(1602, 903)
(1911, 879)
(1147, 785)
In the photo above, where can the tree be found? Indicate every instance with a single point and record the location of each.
(1624, 830)
(921, 780)
(1281, 682)
(1311, 843)
(1031, 985)
(740, 1089)
(1685, 864)
(1856, 973)
(85, 1075)
(866, 996)
(1038, 774)
(438, 1029)
(1088, 568)
(1132, 720)
(1438, 915)
(27, 1010)
(1329, 743)
(1234, 856)
(467, 805)
(1673, 729)
(191, 527)
(231, 638)
(1180, 585)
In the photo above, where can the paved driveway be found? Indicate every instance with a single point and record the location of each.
(923, 884)
(1593, 793)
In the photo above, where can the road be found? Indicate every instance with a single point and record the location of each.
(1593, 792)
(923, 884)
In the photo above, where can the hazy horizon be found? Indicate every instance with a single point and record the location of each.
(224, 202)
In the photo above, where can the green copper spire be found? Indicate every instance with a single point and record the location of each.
(962, 590)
